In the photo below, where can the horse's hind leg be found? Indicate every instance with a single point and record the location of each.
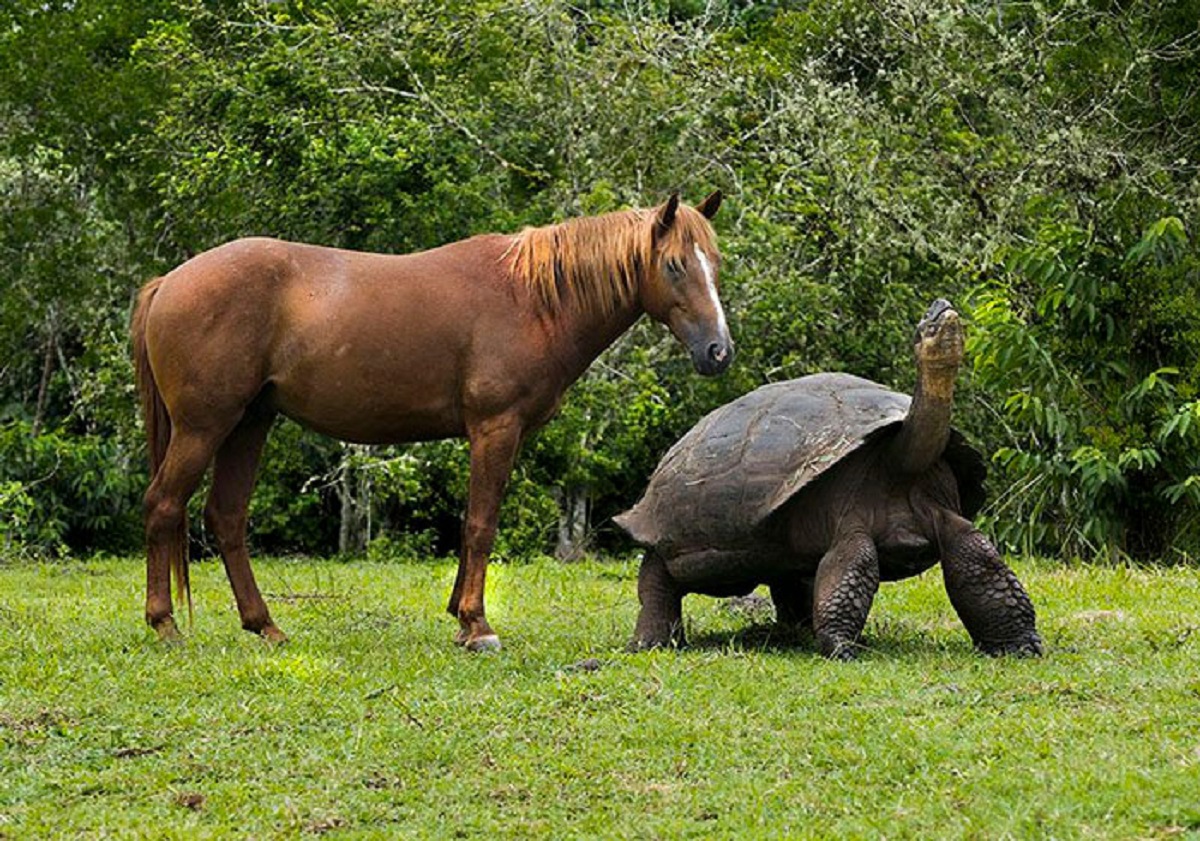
(234, 474)
(165, 507)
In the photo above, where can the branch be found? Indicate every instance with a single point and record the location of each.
(423, 95)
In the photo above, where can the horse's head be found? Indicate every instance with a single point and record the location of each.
(680, 287)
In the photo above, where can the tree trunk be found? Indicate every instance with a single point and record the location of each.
(39, 412)
(573, 510)
(354, 488)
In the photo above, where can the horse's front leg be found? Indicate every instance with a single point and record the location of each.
(494, 445)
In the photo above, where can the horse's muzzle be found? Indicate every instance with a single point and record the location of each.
(712, 358)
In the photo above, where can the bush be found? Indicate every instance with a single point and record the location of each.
(1091, 353)
(62, 492)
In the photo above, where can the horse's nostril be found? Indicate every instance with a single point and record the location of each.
(712, 358)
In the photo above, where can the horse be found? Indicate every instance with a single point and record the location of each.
(478, 338)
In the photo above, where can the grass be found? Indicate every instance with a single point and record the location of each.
(370, 723)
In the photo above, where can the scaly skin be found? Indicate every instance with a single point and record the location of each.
(660, 622)
(846, 583)
(985, 593)
(939, 352)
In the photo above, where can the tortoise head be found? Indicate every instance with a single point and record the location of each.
(938, 342)
(938, 347)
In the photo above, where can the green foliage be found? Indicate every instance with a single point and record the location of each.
(1039, 160)
(1099, 391)
(16, 527)
(614, 426)
(294, 506)
(62, 290)
(59, 490)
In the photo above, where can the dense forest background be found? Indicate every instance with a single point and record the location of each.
(1035, 162)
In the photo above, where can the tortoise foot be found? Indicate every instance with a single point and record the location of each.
(842, 650)
(1030, 646)
(666, 636)
(640, 644)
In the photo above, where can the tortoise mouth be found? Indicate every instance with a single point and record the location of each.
(940, 315)
(939, 338)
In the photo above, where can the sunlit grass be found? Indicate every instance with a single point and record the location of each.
(370, 723)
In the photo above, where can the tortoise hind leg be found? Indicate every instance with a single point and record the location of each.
(793, 599)
(985, 593)
(660, 622)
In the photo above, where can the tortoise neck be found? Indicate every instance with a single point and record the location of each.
(926, 427)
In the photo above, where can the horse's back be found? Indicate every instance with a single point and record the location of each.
(242, 280)
(362, 346)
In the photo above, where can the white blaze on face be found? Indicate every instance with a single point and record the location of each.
(711, 283)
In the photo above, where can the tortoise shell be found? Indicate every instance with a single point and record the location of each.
(721, 481)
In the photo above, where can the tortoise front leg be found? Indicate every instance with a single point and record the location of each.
(985, 593)
(846, 583)
(660, 622)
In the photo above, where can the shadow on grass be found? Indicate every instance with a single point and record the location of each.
(776, 639)
(767, 637)
(883, 638)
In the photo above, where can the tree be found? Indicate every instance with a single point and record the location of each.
(1036, 163)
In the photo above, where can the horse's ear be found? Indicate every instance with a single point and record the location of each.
(666, 215)
(710, 205)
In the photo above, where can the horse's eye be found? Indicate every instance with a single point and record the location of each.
(675, 269)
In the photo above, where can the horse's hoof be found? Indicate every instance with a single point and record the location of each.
(167, 630)
(487, 642)
(273, 635)
(460, 639)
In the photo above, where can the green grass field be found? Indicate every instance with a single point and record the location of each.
(370, 723)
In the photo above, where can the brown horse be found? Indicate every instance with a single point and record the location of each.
(479, 338)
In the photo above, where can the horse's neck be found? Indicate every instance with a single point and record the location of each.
(585, 335)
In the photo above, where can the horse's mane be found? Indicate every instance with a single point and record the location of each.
(595, 263)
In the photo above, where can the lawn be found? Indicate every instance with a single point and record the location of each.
(370, 723)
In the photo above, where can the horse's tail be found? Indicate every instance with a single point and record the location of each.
(158, 432)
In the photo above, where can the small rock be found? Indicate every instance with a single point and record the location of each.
(591, 664)
(190, 800)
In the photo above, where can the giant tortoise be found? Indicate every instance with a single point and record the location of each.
(820, 488)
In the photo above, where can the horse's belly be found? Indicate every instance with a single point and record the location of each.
(392, 430)
(390, 411)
